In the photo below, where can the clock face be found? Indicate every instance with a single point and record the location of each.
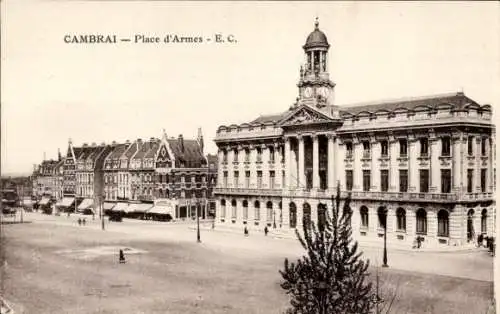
(308, 92)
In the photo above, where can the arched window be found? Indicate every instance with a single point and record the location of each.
(443, 223)
(401, 219)
(484, 219)
(470, 225)
(245, 209)
(306, 219)
(257, 210)
(382, 217)
(321, 217)
(363, 212)
(223, 208)
(233, 209)
(269, 207)
(293, 215)
(421, 221)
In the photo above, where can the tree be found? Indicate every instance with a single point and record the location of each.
(331, 277)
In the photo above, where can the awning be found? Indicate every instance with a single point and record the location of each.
(120, 207)
(108, 205)
(65, 202)
(162, 210)
(44, 201)
(138, 208)
(86, 203)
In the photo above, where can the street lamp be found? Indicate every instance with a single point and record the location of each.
(198, 222)
(274, 218)
(385, 240)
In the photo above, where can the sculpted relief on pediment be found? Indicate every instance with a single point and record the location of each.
(305, 117)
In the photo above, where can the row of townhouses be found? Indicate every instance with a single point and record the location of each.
(170, 176)
(422, 166)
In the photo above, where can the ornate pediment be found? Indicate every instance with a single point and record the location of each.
(305, 115)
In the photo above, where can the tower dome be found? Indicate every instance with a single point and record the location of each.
(317, 38)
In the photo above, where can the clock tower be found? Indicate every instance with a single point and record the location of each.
(315, 87)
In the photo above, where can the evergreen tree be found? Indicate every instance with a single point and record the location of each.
(331, 277)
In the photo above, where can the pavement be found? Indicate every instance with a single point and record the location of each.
(471, 263)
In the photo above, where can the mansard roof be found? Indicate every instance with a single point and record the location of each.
(118, 150)
(144, 148)
(192, 151)
(454, 101)
(153, 149)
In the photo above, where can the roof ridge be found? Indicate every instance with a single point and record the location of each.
(401, 99)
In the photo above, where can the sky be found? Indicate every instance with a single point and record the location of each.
(52, 91)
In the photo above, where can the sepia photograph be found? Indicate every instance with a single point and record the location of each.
(249, 157)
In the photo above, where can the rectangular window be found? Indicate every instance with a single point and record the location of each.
(247, 179)
(348, 147)
(236, 179)
(259, 154)
(259, 179)
(247, 155)
(384, 180)
(366, 180)
(483, 146)
(271, 179)
(283, 178)
(348, 179)
(483, 180)
(235, 153)
(271, 154)
(470, 145)
(403, 148)
(446, 146)
(225, 179)
(384, 147)
(366, 149)
(224, 156)
(445, 180)
(470, 178)
(424, 180)
(424, 147)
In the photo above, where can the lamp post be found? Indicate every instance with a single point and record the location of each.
(385, 240)
(198, 222)
(274, 218)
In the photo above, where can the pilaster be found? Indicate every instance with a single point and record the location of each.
(375, 165)
(331, 162)
(357, 171)
(287, 183)
(413, 165)
(315, 161)
(301, 174)
(456, 162)
(434, 167)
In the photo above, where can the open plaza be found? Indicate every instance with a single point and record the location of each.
(53, 265)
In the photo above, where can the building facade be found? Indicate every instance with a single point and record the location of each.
(422, 166)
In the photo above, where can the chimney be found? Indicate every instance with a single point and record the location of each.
(59, 157)
(181, 142)
(200, 139)
(85, 145)
(94, 144)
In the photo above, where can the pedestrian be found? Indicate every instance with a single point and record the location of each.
(79, 222)
(480, 240)
(266, 230)
(84, 221)
(122, 257)
(245, 231)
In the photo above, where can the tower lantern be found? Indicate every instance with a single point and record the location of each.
(315, 87)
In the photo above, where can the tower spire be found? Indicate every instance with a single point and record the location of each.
(316, 23)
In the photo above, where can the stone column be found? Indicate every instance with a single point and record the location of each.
(339, 157)
(413, 165)
(375, 166)
(434, 166)
(411, 221)
(477, 169)
(393, 165)
(331, 163)
(287, 183)
(315, 161)
(357, 171)
(301, 175)
(456, 163)
(456, 226)
(489, 172)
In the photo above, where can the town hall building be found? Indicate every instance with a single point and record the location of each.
(421, 166)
